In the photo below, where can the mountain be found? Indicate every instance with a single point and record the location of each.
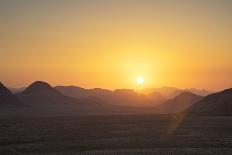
(157, 97)
(179, 103)
(171, 92)
(215, 104)
(41, 92)
(73, 91)
(201, 92)
(42, 88)
(129, 97)
(167, 92)
(7, 98)
(122, 97)
(78, 92)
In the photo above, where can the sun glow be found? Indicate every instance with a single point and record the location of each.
(140, 80)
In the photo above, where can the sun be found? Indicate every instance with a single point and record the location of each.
(140, 80)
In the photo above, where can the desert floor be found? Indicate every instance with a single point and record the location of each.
(118, 134)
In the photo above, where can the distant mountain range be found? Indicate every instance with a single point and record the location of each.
(122, 97)
(170, 92)
(162, 93)
(41, 92)
(155, 101)
(147, 97)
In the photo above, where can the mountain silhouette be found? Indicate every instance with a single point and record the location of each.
(171, 92)
(201, 92)
(215, 104)
(73, 91)
(129, 97)
(78, 92)
(42, 88)
(41, 92)
(122, 97)
(167, 92)
(7, 98)
(179, 103)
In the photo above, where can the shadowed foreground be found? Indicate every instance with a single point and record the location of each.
(134, 134)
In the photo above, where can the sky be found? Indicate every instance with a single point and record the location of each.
(109, 43)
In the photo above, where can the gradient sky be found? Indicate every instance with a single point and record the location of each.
(108, 43)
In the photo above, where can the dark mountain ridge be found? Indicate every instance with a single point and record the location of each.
(219, 103)
(171, 92)
(122, 97)
(7, 98)
(41, 92)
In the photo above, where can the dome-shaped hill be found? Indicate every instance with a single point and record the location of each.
(40, 87)
(41, 92)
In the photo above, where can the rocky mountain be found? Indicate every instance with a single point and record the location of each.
(201, 92)
(171, 92)
(73, 91)
(41, 92)
(129, 97)
(167, 92)
(215, 104)
(122, 97)
(179, 103)
(7, 98)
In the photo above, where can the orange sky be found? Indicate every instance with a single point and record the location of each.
(108, 44)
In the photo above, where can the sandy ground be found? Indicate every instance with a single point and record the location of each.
(125, 134)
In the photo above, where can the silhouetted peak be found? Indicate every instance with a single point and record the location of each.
(3, 89)
(40, 84)
(217, 103)
(179, 103)
(39, 87)
(226, 92)
(6, 97)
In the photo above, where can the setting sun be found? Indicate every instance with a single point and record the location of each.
(140, 80)
(142, 73)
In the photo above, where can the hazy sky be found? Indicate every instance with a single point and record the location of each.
(108, 43)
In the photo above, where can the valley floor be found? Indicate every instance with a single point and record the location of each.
(119, 134)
